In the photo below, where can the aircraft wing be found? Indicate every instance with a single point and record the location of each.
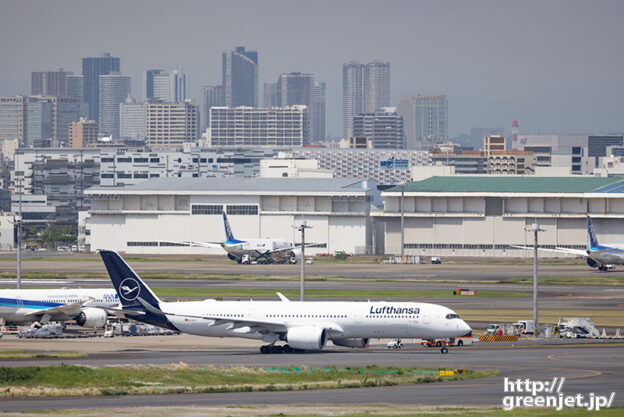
(287, 248)
(72, 309)
(577, 252)
(200, 244)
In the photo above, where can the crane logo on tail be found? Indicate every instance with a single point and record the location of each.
(129, 289)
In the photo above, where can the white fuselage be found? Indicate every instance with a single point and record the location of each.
(18, 306)
(355, 319)
(255, 247)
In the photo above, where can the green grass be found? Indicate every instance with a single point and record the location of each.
(597, 279)
(62, 380)
(348, 294)
(21, 354)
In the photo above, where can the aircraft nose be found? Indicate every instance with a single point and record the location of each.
(464, 327)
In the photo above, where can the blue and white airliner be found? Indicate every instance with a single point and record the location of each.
(85, 306)
(302, 325)
(603, 257)
(250, 250)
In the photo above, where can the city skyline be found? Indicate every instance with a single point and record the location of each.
(552, 65)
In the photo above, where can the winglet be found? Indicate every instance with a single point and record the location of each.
(282, 296)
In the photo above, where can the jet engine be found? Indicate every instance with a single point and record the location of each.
(592, 263)
(354, 342)
(91, 317)
(311, 338)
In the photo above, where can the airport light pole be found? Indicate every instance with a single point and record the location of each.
(535, 228)
(402, 221)
(302, 285)
(19, 234)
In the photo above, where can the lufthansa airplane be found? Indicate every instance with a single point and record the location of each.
(302, 325)
(603, 257)
(82, 305)
(247, 250)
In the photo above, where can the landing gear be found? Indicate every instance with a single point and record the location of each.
(444, 351)
(278, 349)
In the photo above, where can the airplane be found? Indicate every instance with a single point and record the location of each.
(85, 306)
(250, 250)
(303, 326)
(603, 257)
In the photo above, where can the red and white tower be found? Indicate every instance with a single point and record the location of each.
(514, 134)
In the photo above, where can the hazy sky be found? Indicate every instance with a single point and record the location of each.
(557, 66)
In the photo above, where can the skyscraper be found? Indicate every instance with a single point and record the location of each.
(319, 112)
(295, 89)
(38, 128)
(425, 119)
(365, 89)
(240, 77)
(49, 83)
(113, 90)
(270, 95)
(212, 97)
(160, 85)
(92, 68)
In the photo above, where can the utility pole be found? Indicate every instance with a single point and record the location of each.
(302, 285)
(535, 228)
(19, 235)
(402, 220)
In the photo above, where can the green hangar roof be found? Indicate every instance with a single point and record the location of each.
(493, 184)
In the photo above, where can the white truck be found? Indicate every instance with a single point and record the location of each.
(525, 326)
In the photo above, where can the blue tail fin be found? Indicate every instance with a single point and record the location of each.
(229, 236)
(593, 241)
(132, 291)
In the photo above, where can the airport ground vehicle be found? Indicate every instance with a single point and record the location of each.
(493, 329)
(394, 344)
(436, 260)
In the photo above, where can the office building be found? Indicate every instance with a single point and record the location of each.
(92, 68)
(319, 113)
(597, 146)
(466, 162)
(65, 110)
(425, 119)
(212, 96)
(494, 143)
(559, 151)
(383, 128)
(38, 127)
(296, 88)
(365, 89)
(240, 77)
(132, 120)
(114, 89)
(160, 85)
(12, 118)
(83, 133)
(259, 127)
(270, 95)
(49, 83)
(171, 124)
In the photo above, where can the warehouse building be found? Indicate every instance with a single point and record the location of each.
(150, 216)
(484, 216)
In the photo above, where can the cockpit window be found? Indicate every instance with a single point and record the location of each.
(452, 316)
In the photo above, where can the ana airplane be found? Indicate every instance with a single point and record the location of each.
(303, 325)
(598, 256)
(82, 305)
(250, 250)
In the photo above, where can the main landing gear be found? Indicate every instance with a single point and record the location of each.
(279, 349)
(444, 351)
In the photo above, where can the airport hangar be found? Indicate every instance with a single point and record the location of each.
(150, 217)
(484, 215)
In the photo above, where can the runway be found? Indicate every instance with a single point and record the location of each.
(591, 368)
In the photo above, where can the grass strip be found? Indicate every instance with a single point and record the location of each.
(347, 294)
(21, 354)
(607, 318)
(589, 280)
(70, 380)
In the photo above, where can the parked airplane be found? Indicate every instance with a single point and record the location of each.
(598, 256)
(82, 305)
(303, 325)
(249, 250)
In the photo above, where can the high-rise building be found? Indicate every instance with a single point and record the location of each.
(38, 128)
(114, 89)
(295, 89)
(65, 110)
(259, 127)
(83, 133)
(49, 83)
(319, 112)
(92, 68)
(75, 86)
(132, 119)
(160, 85)
(425, 119)
(384, 128)
(365, 89)
(12, 118)
(212, 97)
(171, 124)
(270, 95)
(240, 77)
